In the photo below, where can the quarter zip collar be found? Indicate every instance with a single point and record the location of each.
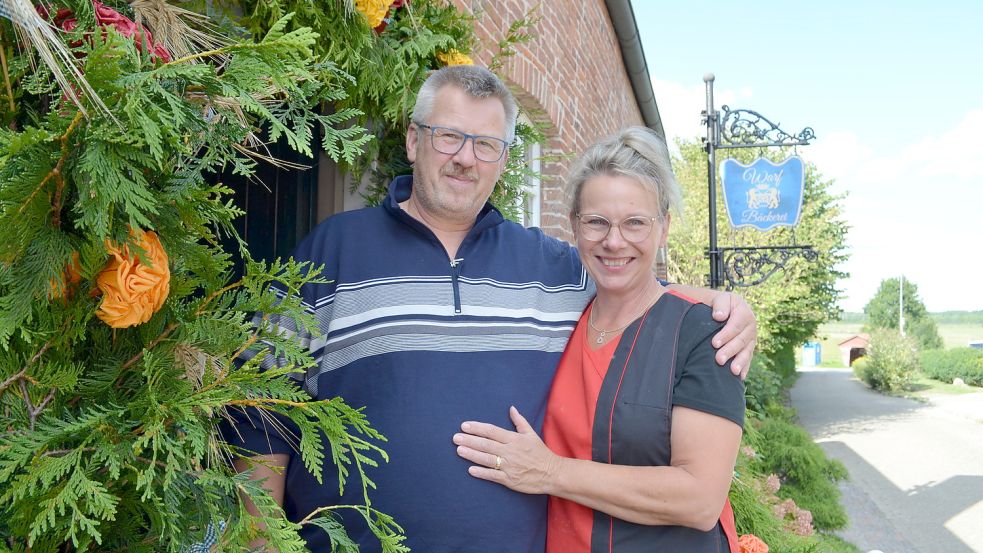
(488, 217)
(399, 191)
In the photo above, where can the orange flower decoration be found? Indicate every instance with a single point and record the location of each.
(752, 544)
(133, 289)
(64, 285)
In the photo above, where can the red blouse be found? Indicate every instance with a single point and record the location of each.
(567, 431)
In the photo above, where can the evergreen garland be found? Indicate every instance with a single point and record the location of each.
(108, 436)
(389, 66)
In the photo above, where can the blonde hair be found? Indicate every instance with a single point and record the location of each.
(634, 152)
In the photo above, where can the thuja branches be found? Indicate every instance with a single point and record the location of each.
(119, 328)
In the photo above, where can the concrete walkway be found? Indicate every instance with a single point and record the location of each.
(916, 469)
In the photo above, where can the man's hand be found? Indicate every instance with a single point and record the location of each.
(272, 470)
(739, 336)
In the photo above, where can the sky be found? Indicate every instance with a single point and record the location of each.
(894, 93)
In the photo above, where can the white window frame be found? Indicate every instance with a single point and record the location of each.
(531, 202)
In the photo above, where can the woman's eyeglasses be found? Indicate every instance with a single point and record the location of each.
(633, 229)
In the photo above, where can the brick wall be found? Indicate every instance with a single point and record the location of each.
(571, 77)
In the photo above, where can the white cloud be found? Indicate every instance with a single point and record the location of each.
(955, 153)
(911, 211)
(680, 107)
(837, 154)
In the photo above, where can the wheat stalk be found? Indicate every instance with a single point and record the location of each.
(42, 39)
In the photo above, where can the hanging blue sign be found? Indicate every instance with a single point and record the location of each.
(763, 195)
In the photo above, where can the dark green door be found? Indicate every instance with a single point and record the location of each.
(280, 205)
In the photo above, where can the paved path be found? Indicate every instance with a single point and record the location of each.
(916, 469)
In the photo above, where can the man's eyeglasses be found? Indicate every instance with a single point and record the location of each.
(450, 141)
(633, 229)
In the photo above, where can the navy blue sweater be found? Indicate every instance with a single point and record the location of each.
(423, 342)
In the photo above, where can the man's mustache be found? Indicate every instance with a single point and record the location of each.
(459, 172)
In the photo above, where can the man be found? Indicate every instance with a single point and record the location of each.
(439, 311)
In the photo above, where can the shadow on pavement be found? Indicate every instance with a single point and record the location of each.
(894, 531)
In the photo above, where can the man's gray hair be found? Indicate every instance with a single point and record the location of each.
(477, 82)
(634, 152)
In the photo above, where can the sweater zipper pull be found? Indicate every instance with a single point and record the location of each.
(455, 270)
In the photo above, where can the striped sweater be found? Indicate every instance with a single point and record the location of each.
(424, 342)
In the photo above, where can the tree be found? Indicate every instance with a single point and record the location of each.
(791, 304)
(882, 311)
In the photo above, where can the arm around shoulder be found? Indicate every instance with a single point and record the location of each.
(739, 336)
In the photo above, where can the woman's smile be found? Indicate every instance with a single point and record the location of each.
(615, 262)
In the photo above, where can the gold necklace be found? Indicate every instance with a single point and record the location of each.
(602, 333)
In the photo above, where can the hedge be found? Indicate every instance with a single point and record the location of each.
(947, 365)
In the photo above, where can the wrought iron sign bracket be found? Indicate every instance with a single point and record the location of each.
(744, 128)
(733, 129)
(749, 266)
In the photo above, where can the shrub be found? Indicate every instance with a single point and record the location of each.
(762, 387)
(936, 365)
(946, 365)
(892, 361)
(926, 333)
(753, 515)
(782, 362)
(757, 511)
(808, 476)
(967, 363)
(860, 368)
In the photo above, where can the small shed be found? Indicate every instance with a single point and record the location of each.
(854, 348)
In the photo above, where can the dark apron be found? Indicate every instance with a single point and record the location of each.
(632, 426)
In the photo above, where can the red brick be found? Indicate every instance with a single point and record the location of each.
(572, 72)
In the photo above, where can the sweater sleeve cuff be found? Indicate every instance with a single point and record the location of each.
(256, 432)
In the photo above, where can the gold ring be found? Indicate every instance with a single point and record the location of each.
(498, 463)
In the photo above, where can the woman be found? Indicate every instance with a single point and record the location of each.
(642, 428)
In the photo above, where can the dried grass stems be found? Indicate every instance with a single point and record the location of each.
(181, 31)
(37, 36)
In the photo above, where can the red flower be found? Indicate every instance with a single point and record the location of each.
(389, 15)
(126, 27)
(106, 16)
(64, 19)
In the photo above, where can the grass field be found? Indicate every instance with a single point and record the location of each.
(831, 334)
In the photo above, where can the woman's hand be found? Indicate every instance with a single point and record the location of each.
(517, 460)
